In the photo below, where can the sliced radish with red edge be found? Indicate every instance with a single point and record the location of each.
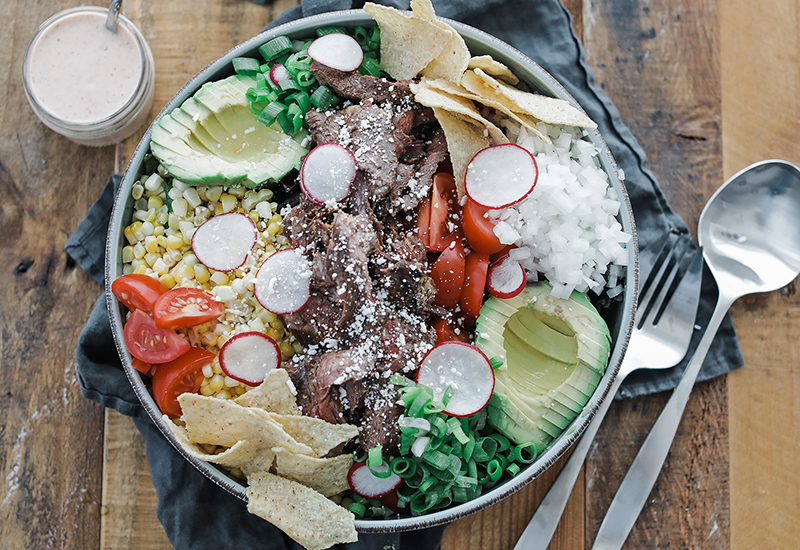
(327, 173)
(283, 282)
(506, 278)
(249, 356)
(368, 485)
(463, 368)
(278, 73)
(501, 175)
(338, 51)
(223, 242)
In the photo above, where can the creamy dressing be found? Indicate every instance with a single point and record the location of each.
(81, 72)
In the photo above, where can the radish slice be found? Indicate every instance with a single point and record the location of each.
(338, 51)
(327, 173)
(501, 175)
(506, 278)
(249, 356)
(278, 73)
(283, 282)
(223, 242)
(368, 485)
(465, 369)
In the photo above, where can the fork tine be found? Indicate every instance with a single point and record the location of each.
(691, 267)
(650, 260)
(670, 274)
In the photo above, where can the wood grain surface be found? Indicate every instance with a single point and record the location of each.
(706, 86)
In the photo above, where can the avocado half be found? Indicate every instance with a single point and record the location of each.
(214, 139)
(555, 352)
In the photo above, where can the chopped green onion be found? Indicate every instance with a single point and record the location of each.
(375, 38)
(265, 68)
(370, 67)
(298, 61)
(458, 431)
(322, 31)
(362, 37)
(323, 98)
(496, 362)
(245, 65)
(305, 79)
(258, 108)
(404, 467)
(494, 469)
(433, 407)
(255, 95)
(448, 395)
(438, 425)
(357, 509)
(400, 380)
(525, 453)
(288, 85)
(513, 469)
(503, 444)
(276, 47)
(300, 99)
(485, 449)
(271, 112)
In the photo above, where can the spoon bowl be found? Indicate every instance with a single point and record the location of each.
(750, 229)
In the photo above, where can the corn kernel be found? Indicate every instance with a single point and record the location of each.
(167, 280)
(191, 196)
(141, 269)
(201, 274)
(213, 193)
(181, 272)
(219, 209)
(127, 269)
(286, 349)
(159, 230)
(298, 347)
(139, 251)
(173, 242)
(219, 278)
(230, 382)
(207, 372)
(272, 333)
(137, 191)
(179, 185)
(206, 390)
(155, 202)
(180, 207)
(228, 202)
(151, 244)
(274, 228)
(215, 366)
(237, 191)
(223, 394)
(127, 254)
(209, 339)
(265, 194)
(190, 259)
(217, 382)
(154, 183)
(253, 215)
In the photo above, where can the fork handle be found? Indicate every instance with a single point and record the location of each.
(543, 524)
(642, 475)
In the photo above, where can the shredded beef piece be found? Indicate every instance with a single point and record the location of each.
(356, 86)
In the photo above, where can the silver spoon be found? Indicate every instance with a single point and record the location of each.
(113, 15)
(750, 234)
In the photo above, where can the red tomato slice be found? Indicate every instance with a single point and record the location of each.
(476, 267)
(183, 375)
(141, 366)
(447, 273)
(186, 307)
(149, 343)
(424, 221)
(138, 291)
(443, 204)
(446, 332)
(479, 230)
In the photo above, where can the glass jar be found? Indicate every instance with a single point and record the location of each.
(88, 84)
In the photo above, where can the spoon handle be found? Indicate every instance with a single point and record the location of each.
(642, 475)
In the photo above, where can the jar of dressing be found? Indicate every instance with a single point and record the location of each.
(85, 82)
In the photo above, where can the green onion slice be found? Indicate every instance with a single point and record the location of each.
(276, 47)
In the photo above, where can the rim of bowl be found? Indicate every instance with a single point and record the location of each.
(528, 71)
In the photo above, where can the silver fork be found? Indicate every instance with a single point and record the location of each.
(669, 297)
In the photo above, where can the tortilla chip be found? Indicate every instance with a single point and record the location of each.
(458, 90)
(494, 68)
(274, 394)
(458, 106)
(223, 422)
(241, 453)
(318, 434)
(453, 60)
(547, 109)
(464, 140)
(305, 515)
(262, 461)
(325, 475)
(408, 43)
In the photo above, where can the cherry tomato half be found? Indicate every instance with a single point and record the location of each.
(447, 332)
(424, 221)
(183, 375)
(443, 205)
(475, 269)
(447, 273)
(141, 366)
(138, 291)
(149, 343)
(479, 230)
(186, 307)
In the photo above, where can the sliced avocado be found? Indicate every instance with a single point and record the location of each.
(556, 352)
(214, 139)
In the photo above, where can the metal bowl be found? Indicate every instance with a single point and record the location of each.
(619, 317)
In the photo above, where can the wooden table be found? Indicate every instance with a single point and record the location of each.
(706, 86)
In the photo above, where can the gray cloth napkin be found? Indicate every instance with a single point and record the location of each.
(198, 515)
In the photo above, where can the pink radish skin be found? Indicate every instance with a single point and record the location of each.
(368, 485)
(283, 282)
(223, 242)
(338, 51)
(249, 356)
(465, 369)
(506, 278)
(327, 173)
(501, 175)
(278, 73)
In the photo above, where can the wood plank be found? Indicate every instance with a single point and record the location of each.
(50, 436)
(760, 107)
(658, 61)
